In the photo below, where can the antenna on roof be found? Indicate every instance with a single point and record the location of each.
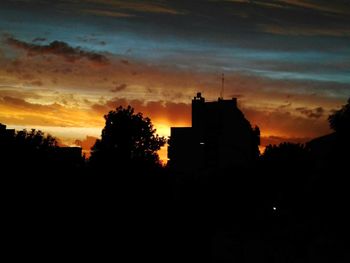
(222, 86)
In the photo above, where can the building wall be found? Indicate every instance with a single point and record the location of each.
(220, 137)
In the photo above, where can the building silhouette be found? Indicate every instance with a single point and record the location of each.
(220, 138)
(7, 139)
(6, 134)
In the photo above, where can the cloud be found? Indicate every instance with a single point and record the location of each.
(334, 7)
(274, 121)
(19, 111)
(138, 6)
(167, 83)
(86, 144)
(120, 87)
(92, 39)
(159, 111)
(312, 113)
(324, 6)
(166, 51)
(39, 39)
(36, 83)
(309, 30)
(106, 13)
(16, 92)
(22, 104)
(282, 17)
(58, 48)
(162, 93)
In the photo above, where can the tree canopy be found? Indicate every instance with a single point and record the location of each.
(285, 152)
(339, 121)
(127, 139)
(30, 149)
(35, 140)
(24, 140)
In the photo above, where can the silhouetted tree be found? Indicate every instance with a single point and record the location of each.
(30, 149)
(340, 119)
(286, 152)
(128, 141)
(256, 142)
(34, 140)
(335, 148)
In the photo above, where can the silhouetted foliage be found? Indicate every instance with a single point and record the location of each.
(25, 142)
(36, 152)
(127, 139)
(340, 119)
(286, 152)
(256, 140)
(34, 140)
(332, 151)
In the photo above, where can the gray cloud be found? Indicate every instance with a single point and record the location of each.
(119, 87)
(172, 112)
(315, 113)
(39, 39)
(58, 48)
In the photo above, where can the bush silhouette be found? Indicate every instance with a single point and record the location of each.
(128, 141)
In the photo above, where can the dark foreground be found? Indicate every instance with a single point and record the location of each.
(255, 214)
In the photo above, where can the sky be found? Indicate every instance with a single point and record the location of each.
(64, 64)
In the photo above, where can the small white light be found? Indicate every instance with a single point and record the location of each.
(274, 208)
(201, 143)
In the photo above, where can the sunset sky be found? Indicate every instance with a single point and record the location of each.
(66, 63)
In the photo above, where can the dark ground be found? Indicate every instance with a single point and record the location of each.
(224, 217)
